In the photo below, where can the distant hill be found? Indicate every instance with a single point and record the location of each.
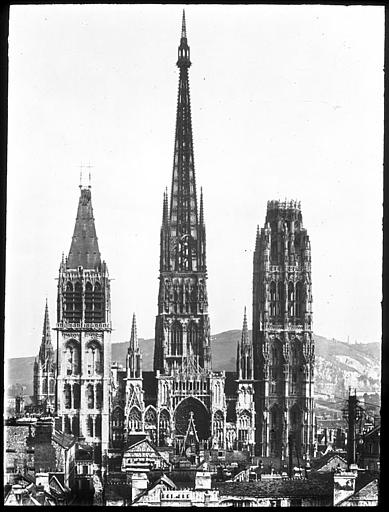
(338, 364)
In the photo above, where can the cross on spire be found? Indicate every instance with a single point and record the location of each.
(86, 166)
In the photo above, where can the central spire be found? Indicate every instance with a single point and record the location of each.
(183, 203)
(182, 325)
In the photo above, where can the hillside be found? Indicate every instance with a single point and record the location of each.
(338, 365)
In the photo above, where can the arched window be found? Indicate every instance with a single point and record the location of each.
(164, 392)
(52, 387)
(281, 298)
(291, 302)
(90, 396)
(98, 304)
(98, 426)
(75, 426)
(68, 396)
(151, 424)
(218, 426)
(72, 358)
(244, 423)
(99, 396)
(299, 299)
(67, 426)
(164, 427)
(89, 426)
(77, 310)
(44, 387)
(272, 298)
(217, 392)
(275, 367)
(76, 396)
(94, 358)
(176, 339)
(88, 302)
(192, 337)
(68, 302)
(275, 431)
(134, 420)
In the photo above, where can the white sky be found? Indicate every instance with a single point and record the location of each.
(287, 102)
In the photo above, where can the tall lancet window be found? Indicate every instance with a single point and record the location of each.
(88, 302)
(68, 302)
(299, 297)
(94, 358)
(72, 359)
(291, 303)
(176, 335)
(98, 304)
(90, 396)
(77, 313)
(281, 298)
(192, 337)
(272, 298)
(68, 396)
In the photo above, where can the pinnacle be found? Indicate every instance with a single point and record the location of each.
(134, 335)
(183, 30)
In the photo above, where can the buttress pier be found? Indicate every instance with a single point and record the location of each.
(282, 335)
(84, 335)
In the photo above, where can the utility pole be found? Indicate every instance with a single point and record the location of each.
(351, 414)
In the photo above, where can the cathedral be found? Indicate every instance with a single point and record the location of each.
(265, 407)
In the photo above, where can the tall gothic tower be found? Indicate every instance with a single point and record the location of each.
(84, 334)
(182, 353)
(282, 334)
(44, 369)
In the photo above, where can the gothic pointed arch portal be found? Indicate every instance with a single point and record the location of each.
(200, 416)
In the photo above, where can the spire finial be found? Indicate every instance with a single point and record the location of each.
(134, 336)
(183, 30)
(245, 332)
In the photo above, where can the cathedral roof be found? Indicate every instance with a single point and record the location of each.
(84, 249)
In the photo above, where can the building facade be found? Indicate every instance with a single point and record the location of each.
(282, 334)
(264, 408)
(185, 382)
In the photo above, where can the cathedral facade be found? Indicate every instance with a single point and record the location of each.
(264, 407)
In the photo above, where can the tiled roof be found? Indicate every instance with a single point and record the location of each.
(326, 458)
(64, 440)
(298, 488)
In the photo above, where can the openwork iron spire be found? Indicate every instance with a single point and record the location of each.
(183, 201)
(183, 272)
